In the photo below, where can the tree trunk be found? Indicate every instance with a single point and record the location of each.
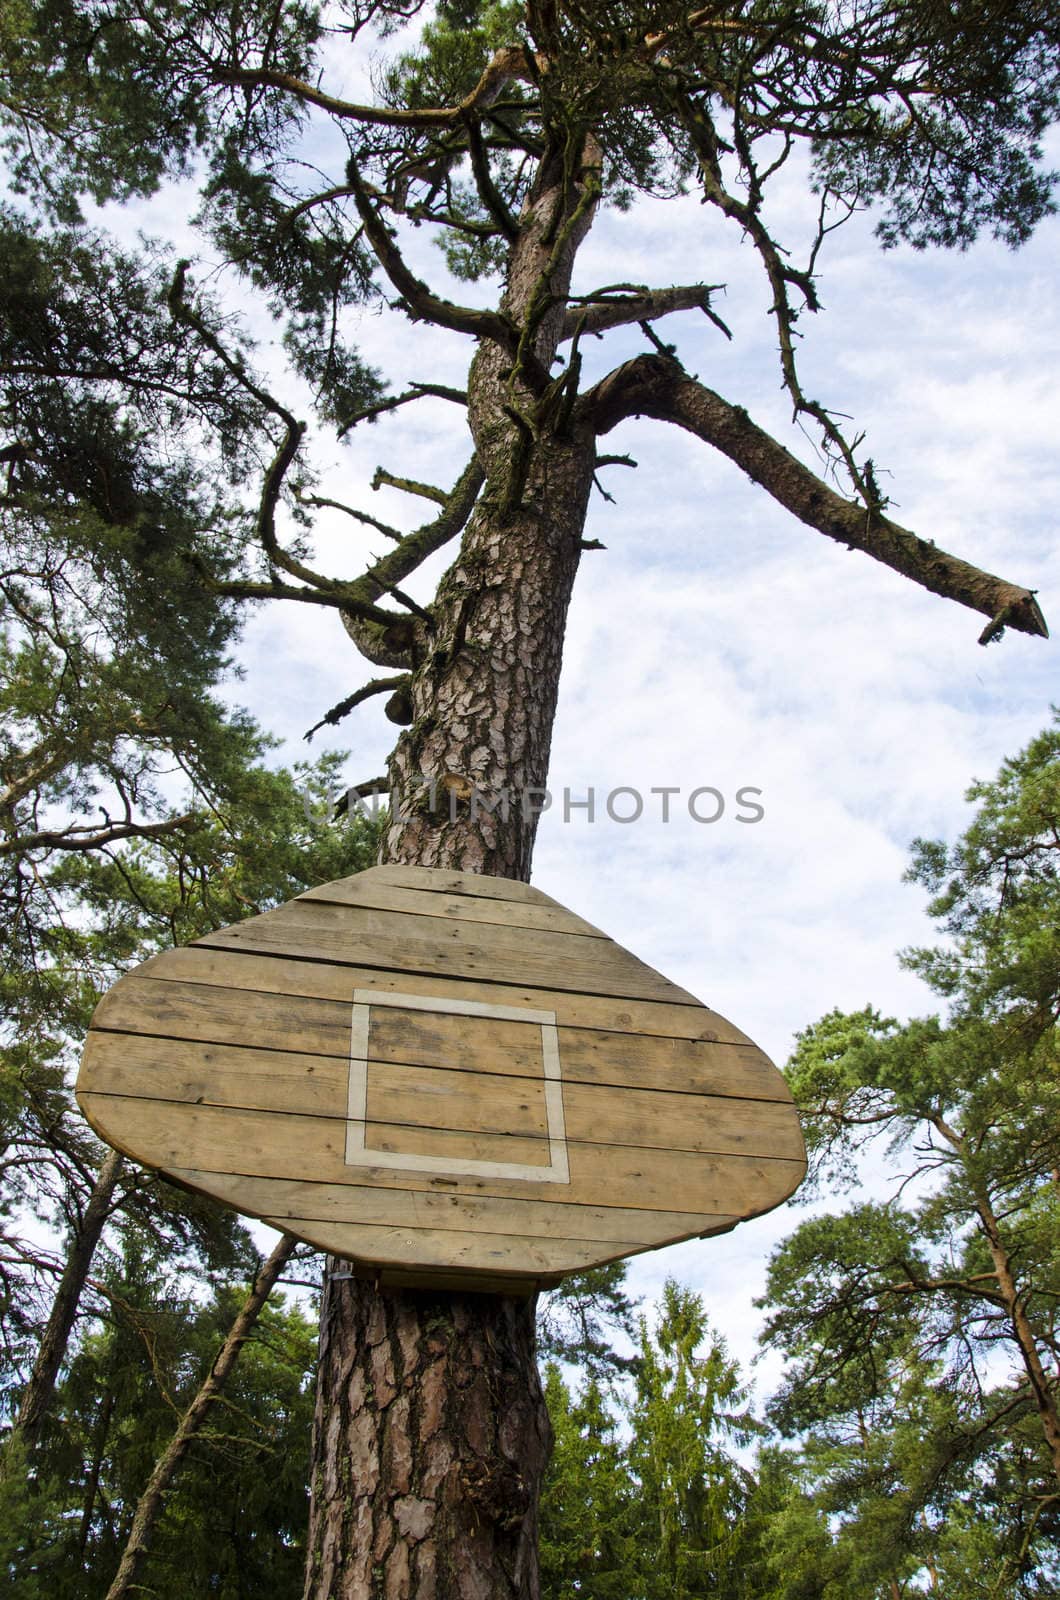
(106, 1412)
(41, 1387)
(1042, 1389)
(150, 1505)
(431, 1435)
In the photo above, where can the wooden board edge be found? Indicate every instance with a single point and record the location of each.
(303, 939)
(451, 909)
(679, 1226)
(447, 880)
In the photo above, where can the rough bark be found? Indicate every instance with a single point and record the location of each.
(41, 1386)
(150, 1505)
(484, 692)
(431, 1435)
(469, 774)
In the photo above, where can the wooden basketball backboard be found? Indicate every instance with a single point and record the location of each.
(446, 1078)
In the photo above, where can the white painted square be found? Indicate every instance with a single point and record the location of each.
(359, 1154)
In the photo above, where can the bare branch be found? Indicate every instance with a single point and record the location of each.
(344, 599)
(387, 645)
(418, 391)
(410, 604)
(266, 519)
(361, 791)
(781, 274)
(377, 686)
(491, 196)
(322, 500)
(657, 386)
(92, 838)
(508, 64)
(628, 302)
(422, 304)
(973, 1285)
(422, 542)
(426, 491)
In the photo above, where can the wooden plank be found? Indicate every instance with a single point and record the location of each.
(654, 1119)
(588, 1055)
(214, 1074)
(170, 1134)
(350, 1204)
(454, 1251)
(225, 1016)
(364, 890)
(270, 973)
(463, 1044)
(305, 1085)
(416, 1097)
(258, 1019)
(439, 880)
(401, 943)
(386, 1275)
(427, 1097)
(457, 1145)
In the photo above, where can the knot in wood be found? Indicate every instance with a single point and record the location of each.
(497, 1491)
(458, 785)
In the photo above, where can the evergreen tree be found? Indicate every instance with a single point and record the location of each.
(580, 1321)
(589, 1543)
(236, 1525)
(922, 1328)
(687, 1416)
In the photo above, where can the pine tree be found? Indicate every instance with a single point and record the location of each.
(922, 1326)
(505, 129)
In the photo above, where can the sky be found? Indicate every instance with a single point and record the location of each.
(718, 642)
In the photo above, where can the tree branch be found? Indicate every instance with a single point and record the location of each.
(361, 791)
(345, 599)
(86, 838)
(426, 491)
(377, 686)
(423, 305)
(278, 468)
(418, 391)
(415, 547)
(322, 501)
(629, 302)
(152, 1501)
(657, 386)
(385, 645)
(490, 194)
(181, 312)
(972, 1285)
(511, 62)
